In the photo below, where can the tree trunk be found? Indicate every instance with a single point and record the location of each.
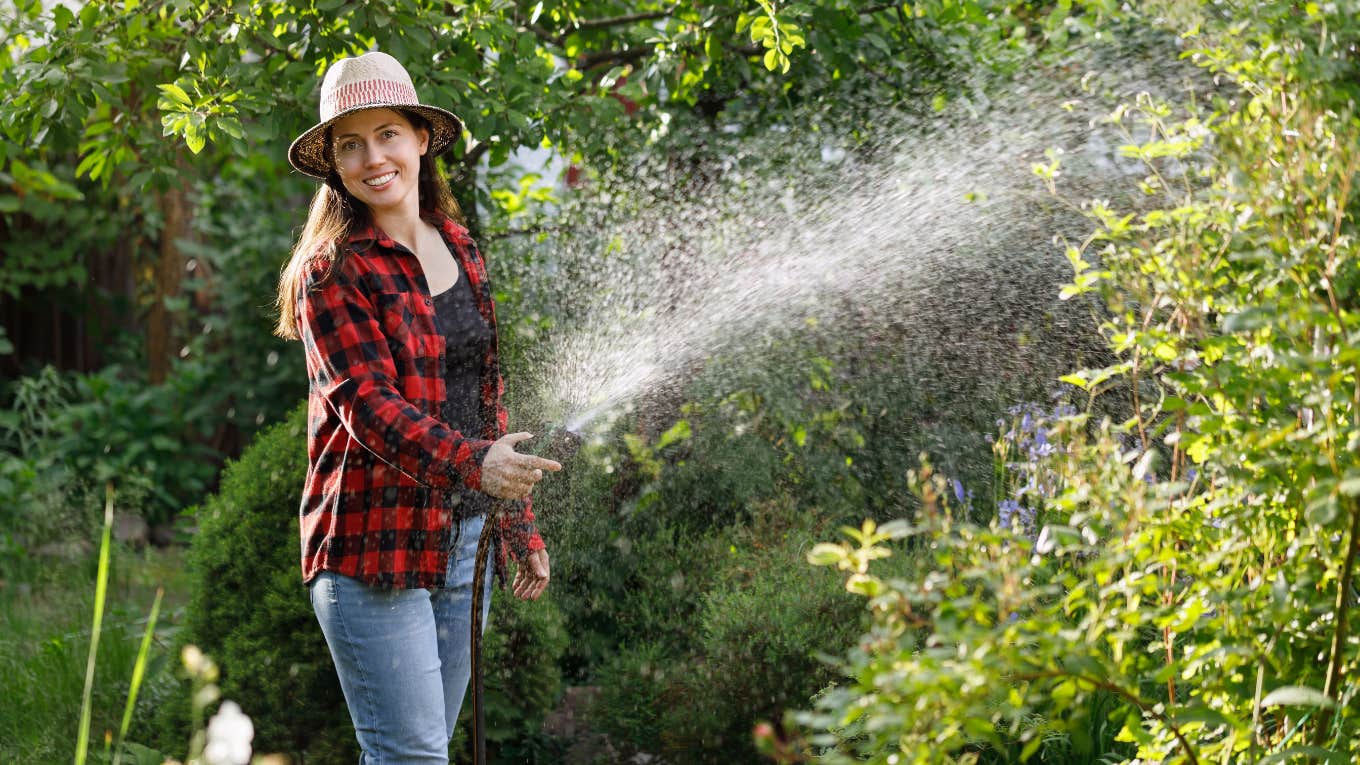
(167, 275)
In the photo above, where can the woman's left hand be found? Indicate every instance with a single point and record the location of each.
(531, 579)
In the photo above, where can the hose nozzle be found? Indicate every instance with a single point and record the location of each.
(557, 444)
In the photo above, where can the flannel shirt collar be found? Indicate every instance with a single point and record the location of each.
(451, 230)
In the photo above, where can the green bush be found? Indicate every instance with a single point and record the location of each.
(524, 643)
(80, 430)
(755, 635)
(249, 610)
(621, 573)
(763, 627)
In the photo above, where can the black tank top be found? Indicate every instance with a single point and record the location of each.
(466, 340)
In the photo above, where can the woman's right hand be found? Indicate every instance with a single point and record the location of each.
(507, 474)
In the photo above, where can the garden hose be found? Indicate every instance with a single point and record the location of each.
(478, 587)
(561, 445)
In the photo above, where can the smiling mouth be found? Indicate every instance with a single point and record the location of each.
(381, 180)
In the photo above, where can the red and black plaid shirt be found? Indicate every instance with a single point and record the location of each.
(384, 472)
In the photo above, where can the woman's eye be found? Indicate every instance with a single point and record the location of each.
(389, 134)
(349, 146)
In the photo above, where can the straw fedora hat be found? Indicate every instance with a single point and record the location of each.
(371, 81)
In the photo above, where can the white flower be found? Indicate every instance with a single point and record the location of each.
(1046, 542)
(229, 734)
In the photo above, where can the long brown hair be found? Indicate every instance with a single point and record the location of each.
(335, 214)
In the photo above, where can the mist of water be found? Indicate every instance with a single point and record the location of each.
(718, 268)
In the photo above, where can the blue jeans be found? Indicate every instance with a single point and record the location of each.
(404, 656)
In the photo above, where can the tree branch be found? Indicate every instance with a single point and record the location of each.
(625, 56)
(629, 18)
(745, 50)
(1134, 699)
(1343, 600)
(469, 160)
(560, 38)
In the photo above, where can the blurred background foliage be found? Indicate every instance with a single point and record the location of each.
(146, 206)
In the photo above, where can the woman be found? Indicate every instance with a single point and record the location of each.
(406, 432)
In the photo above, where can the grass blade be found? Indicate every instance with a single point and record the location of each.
(138, 672)
(100, 590)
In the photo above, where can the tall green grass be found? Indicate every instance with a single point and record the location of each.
(65, 673)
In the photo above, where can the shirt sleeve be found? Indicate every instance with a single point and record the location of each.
(350, 367)
(517, 525)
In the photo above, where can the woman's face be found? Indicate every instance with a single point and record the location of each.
(377, 154)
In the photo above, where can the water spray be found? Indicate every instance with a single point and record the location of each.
(559, 443)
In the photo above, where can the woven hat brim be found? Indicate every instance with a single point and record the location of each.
(308, 152)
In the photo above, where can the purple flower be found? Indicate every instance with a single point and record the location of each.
(1041, 446)
(1011, 510)
(958, 490)
(1007, 510)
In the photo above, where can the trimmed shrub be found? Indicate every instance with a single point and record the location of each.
(249, 610)
(757, 633)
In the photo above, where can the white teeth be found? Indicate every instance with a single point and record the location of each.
(380, 180)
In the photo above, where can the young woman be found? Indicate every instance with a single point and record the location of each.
(406, 436)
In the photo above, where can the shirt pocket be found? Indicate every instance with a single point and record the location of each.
(413, 339)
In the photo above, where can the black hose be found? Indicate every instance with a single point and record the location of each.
(478, 589)
(559, 444)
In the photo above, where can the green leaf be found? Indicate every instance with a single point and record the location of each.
(680, 431)
(1248, 320)
(1202, 714)
(62, 17)
(194, 138)
(1316, 752)
(1350, 485)
(825, 554)
(100, 593)
(90, 164)
(611, 77)
(897, 529)
(89, 14)
(177, 93)
(1324, 510)
(1297, 696)
(1074, 379)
